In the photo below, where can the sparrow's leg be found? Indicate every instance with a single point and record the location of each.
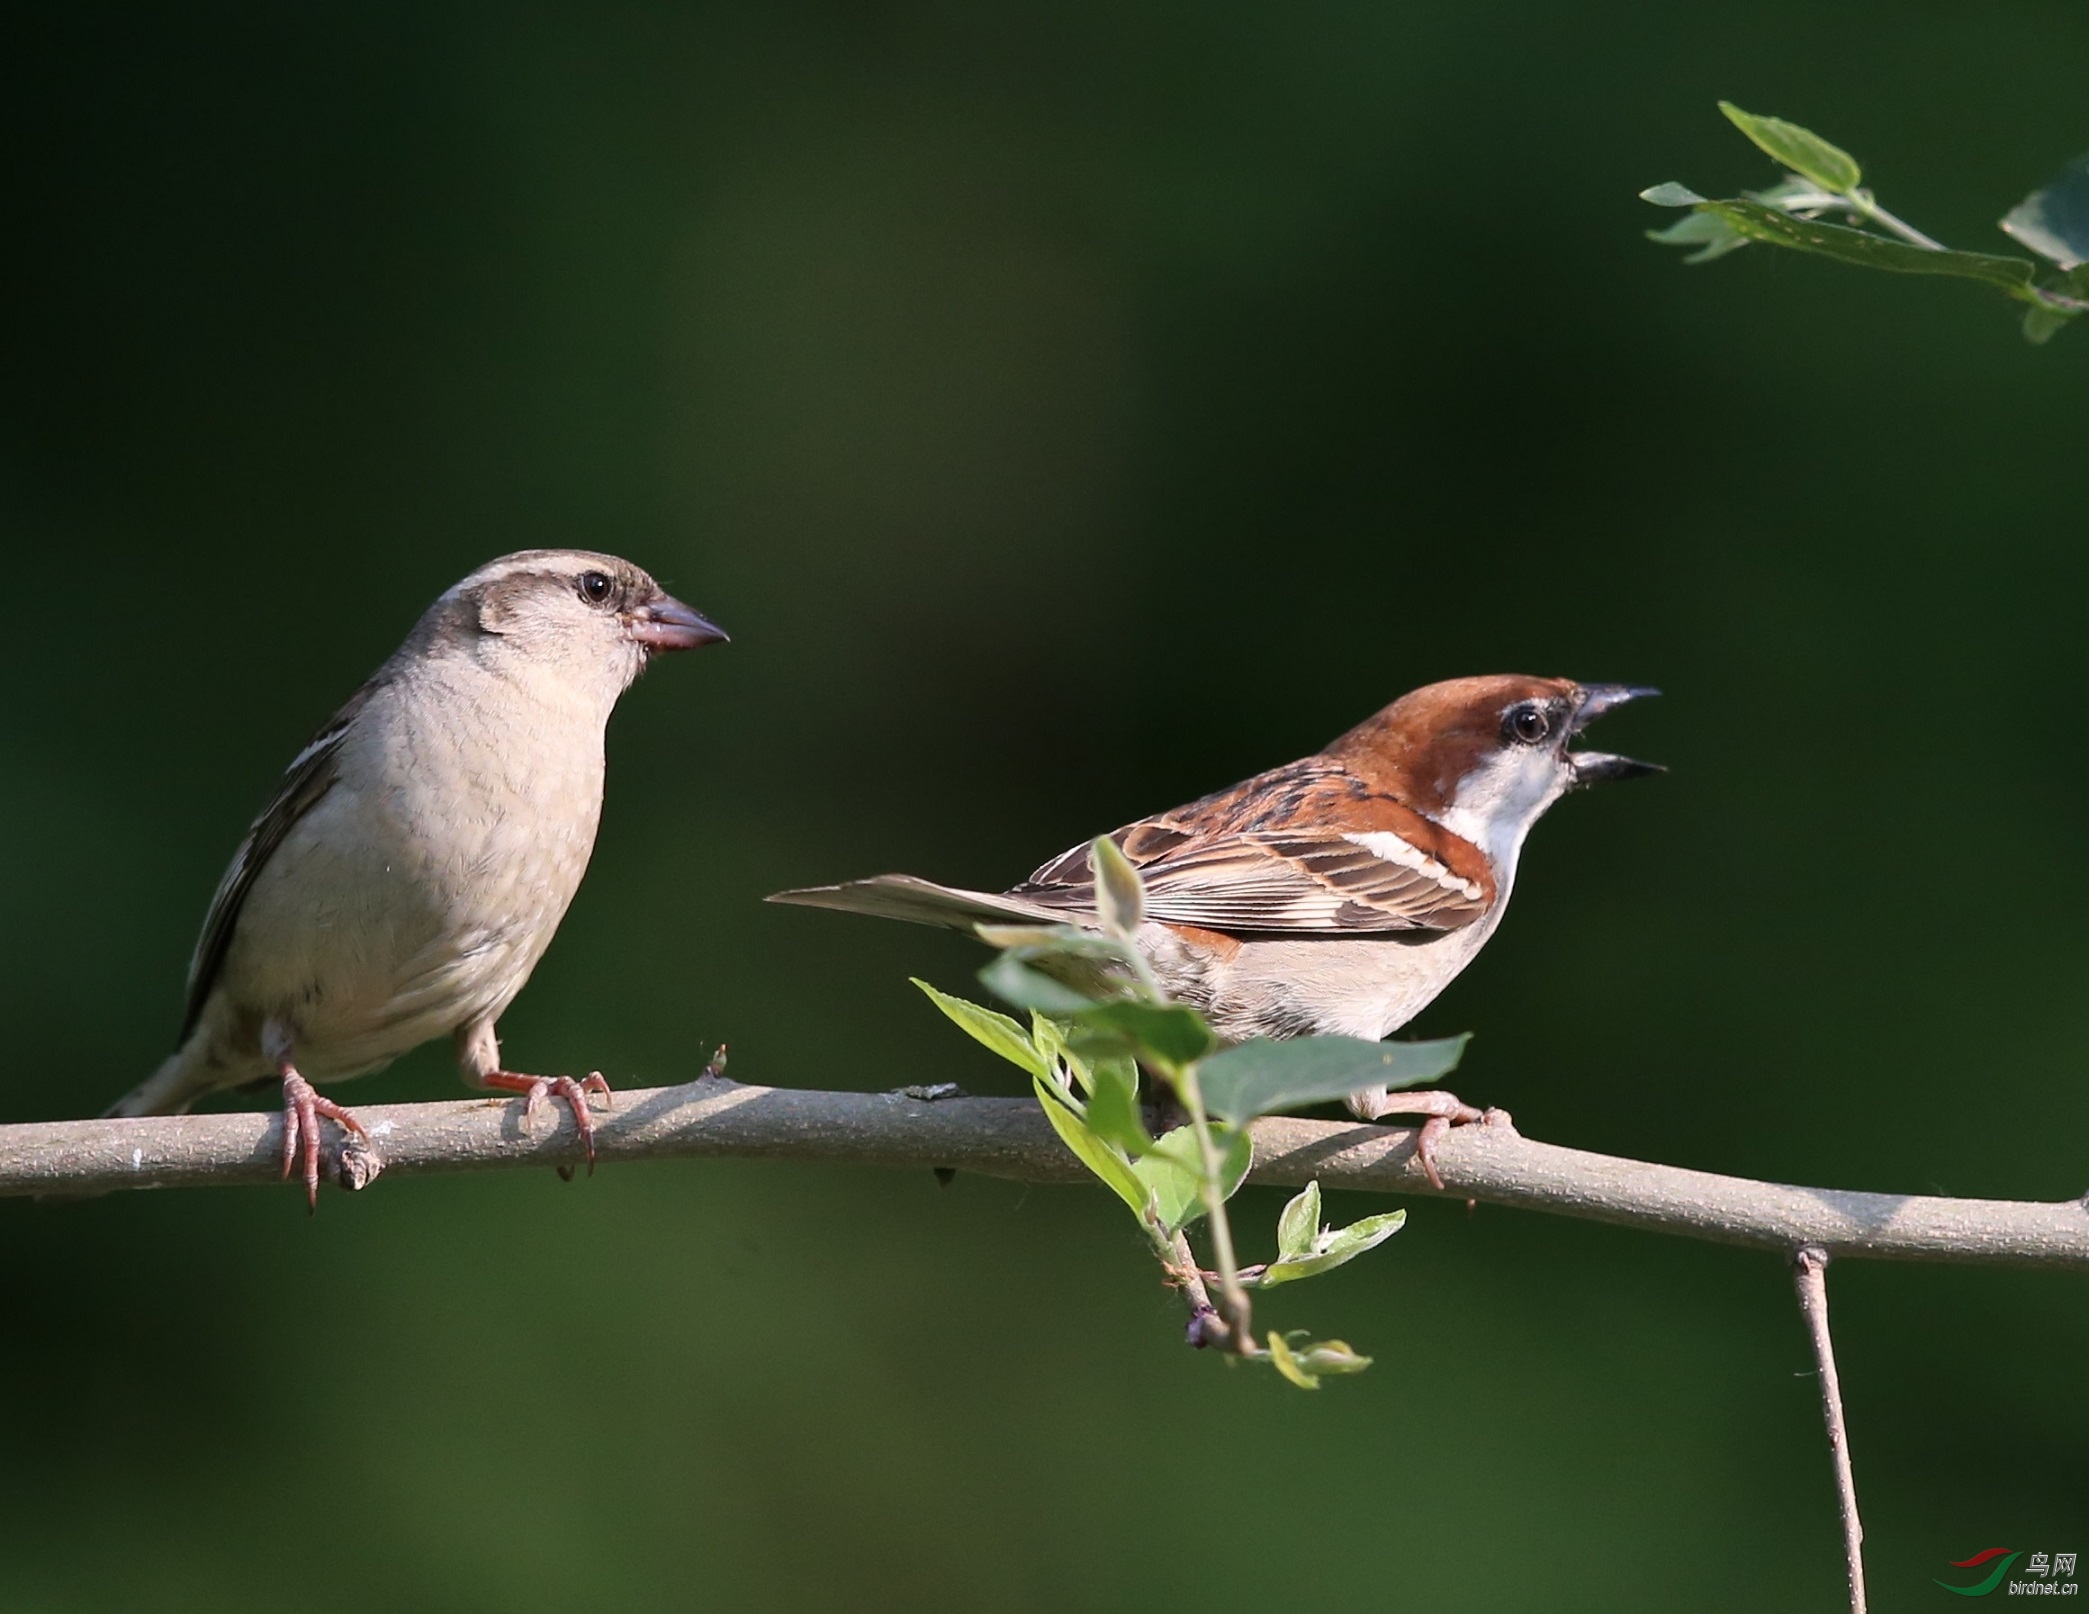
(303, 1105)
(478, 1058)
(1444, 1111)
(573, 1093)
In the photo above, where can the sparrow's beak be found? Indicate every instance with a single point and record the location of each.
(1593, 767)
(665, 623)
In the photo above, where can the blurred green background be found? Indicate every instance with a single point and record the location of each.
(1069, 409)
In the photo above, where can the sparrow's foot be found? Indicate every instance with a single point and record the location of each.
(1442, 1111)
(573, 1094)
(303, 1105)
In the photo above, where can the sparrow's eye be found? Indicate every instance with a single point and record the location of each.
(595, 587)
(1526, 725)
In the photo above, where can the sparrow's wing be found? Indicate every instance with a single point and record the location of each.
(312, 773)
(901, 896)
(1304, 850)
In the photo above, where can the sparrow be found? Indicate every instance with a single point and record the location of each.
(1336, 895)
(419, 854)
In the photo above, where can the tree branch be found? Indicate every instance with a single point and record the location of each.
(1810, 1275)
(1002, 1137)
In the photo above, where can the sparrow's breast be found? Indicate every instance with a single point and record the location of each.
(1348, 986)
(421, 891)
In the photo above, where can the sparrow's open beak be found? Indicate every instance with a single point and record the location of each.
(665, 623)
(1593, 767)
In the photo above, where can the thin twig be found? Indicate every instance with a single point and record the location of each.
(1812, 204)
(1206, 1326)
(1810, 1275)
(1008, 1137)
(1863, 203)
(1239, 1324)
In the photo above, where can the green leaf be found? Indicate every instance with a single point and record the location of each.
(1120, 900)
(2053, 221)
(1861, 247)
(1007, 936)
(990, 1029)
(1169, 1033)
(1262, 1077)
(1236, 1155)
(1059, 969)
(1711, 234)
(1285, 1363)
(1032, 942)
(1299, 1226)
(1792, 194)
(2040, 324)
(1331, 1250)
(1051, 1044)
(1670, 194)
(1174, 1170)
(1122, 1068)
(1092, 1152)
(1692, 229)
(1303, 1361)
(1009, 977)
(1329, 1356)
(1060, 1063)
(1172, 1176)
(1800, 150)
(1113, 1110)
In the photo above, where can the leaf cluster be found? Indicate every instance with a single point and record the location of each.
(1820, 206)
(1098, 1019)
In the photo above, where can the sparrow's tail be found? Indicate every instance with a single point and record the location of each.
(901, 896)
(178, 1083)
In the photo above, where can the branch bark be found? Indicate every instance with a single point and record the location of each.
(1000, 1137)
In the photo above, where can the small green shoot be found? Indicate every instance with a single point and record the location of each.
(1097, 1018)
(1821, 207)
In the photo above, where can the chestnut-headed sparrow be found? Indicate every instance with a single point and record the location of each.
(1334, 895)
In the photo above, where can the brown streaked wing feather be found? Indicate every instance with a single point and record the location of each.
(1274, 855)
(1068, 880)
(309, 778)
(1302, 881)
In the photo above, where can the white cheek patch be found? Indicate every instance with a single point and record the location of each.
(1498, 801)
(1385, 844)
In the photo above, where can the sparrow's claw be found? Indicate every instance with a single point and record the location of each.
(1443, 1111)
(1432, 1133)
(303, 1105)
(575, 1095)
